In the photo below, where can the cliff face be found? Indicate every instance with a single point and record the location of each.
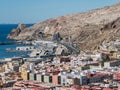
(89, 29)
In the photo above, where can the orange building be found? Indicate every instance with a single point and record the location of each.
(56, 79)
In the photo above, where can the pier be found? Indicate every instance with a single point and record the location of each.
(7, 43)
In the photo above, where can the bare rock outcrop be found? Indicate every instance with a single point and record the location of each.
(17, 31)
(88, 29)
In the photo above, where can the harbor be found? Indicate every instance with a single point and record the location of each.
(44, 47)
(50, 66)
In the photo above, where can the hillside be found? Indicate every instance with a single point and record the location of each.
(88, 29)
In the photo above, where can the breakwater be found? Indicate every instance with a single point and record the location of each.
(7, 43)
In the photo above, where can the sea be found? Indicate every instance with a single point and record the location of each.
(5, 29)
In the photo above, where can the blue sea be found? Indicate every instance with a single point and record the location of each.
(5, 29)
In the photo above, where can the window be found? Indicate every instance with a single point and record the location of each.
(37, 54)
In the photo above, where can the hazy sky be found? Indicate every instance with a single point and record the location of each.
(32, 11)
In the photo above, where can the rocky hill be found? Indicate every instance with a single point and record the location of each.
(89, 29)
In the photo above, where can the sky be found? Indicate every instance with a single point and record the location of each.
(33, 11)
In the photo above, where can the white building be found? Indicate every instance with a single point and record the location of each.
(45, 43)
(25, 48)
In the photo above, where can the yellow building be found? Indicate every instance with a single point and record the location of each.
(115, 55)
(23, 67)
(25, 75)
